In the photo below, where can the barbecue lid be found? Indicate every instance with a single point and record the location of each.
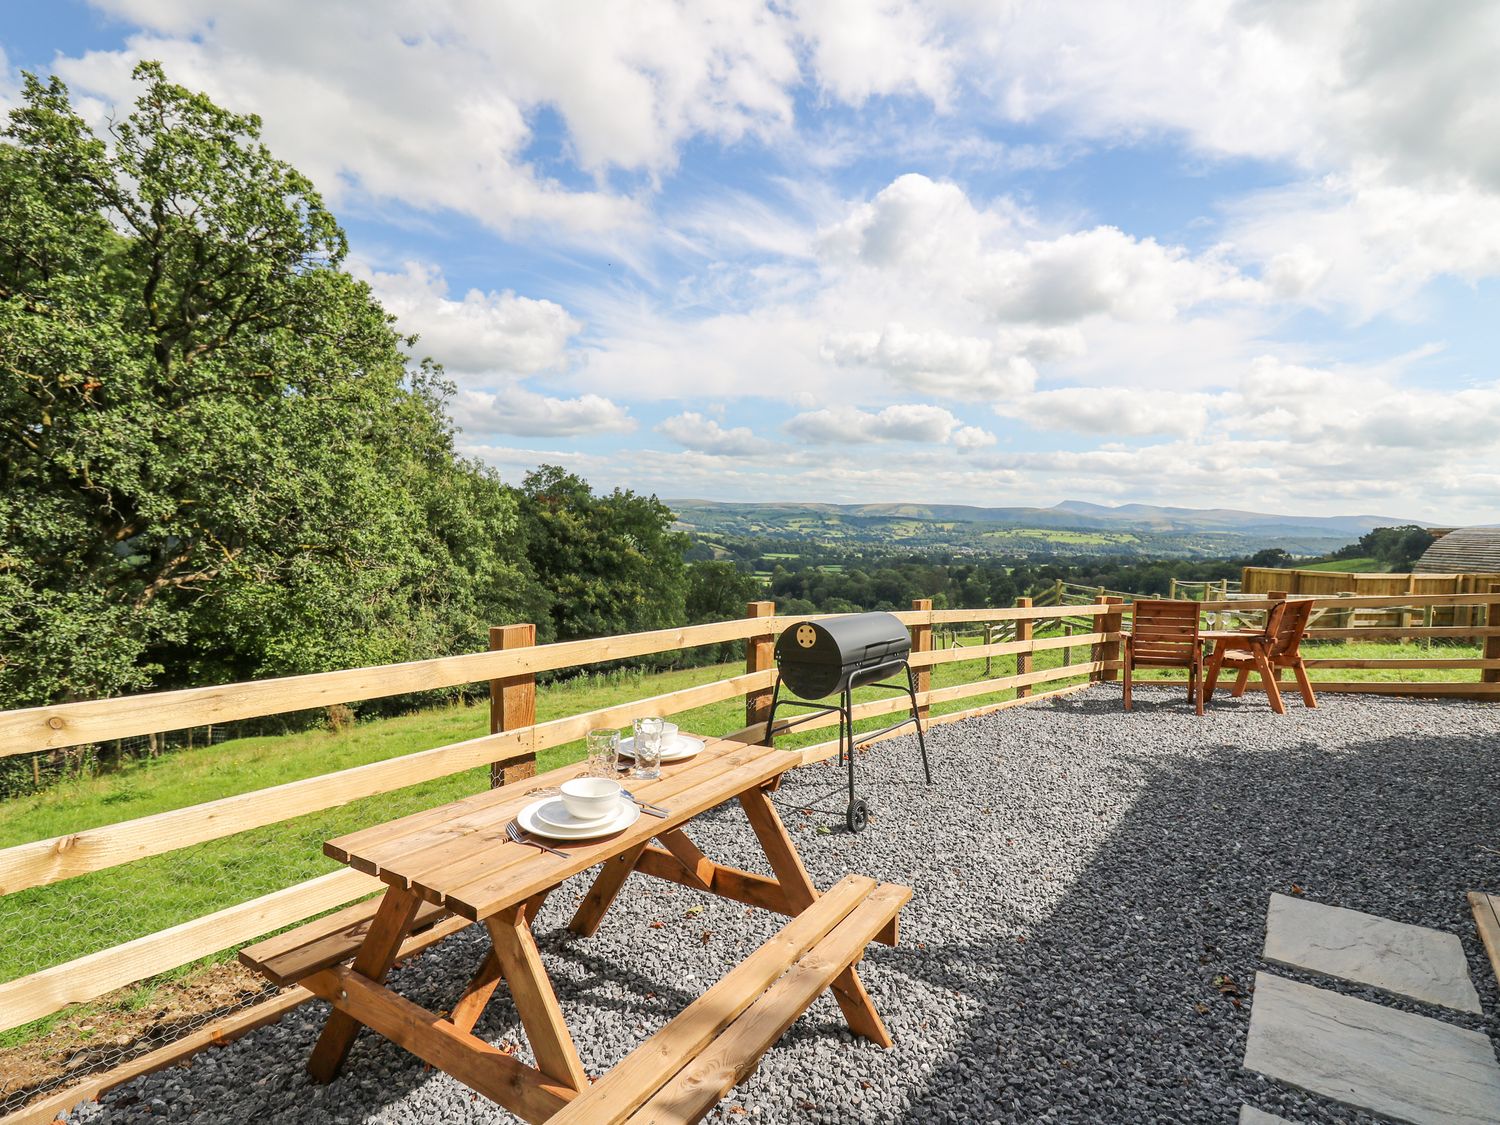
(857, 638)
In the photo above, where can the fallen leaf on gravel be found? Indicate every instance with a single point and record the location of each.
(657, 925)
(738, 1110)
(1297, 890)
(1226, 986)
(692, 912)
(1201, 1009)
(708, 936)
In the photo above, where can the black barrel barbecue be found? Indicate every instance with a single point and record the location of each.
(819, 660)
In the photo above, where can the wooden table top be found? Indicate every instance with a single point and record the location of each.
(1227, 634)
(459, 856)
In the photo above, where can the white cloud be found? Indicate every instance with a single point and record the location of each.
(1111, 410)
(692, 430)
(966, 439)
(497, 333)
(434, 106)
(862, 49)
(916, 422)
(934, 361)
(1350, 241)
(924, 236)
(1104, 271)
(515, 410)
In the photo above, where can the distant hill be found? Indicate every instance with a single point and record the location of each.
(1074, 527)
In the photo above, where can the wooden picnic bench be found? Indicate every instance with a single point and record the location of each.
(450, 867)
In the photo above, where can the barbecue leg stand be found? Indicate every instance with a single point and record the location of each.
(374, 959)
(848, 989)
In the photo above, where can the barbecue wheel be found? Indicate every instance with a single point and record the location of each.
(857, 816)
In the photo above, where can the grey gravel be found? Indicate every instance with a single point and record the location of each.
(1091, 890)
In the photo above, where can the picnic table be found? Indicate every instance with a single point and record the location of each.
(449, 867)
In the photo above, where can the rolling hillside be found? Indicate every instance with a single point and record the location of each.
(1074, 527)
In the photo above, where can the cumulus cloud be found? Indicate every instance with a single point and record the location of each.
(515, 410)
(692, 430)
(435, 106)
(861, 50)
(934, 361)
(1111, 410)
(914, 422)
(1105, 271)
(480, 332)
(931, 237)
(1353, 242)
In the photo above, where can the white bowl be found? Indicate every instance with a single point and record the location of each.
(668, 734)
(591, 798)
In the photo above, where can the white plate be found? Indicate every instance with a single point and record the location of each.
(555, 814)
(677, 750)
(629, 813)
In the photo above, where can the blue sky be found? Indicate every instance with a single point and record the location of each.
(1214, 254)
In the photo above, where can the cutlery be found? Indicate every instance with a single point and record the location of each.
(513, 830)
(654, 810)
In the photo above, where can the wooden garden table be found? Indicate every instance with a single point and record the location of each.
(459, 858)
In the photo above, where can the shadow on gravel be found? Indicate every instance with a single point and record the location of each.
(1130, 1000)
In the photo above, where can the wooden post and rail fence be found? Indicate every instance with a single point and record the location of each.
(509, 752)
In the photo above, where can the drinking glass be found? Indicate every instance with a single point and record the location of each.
(647, 749)
(604, 749)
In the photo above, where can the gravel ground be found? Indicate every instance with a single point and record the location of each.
(1082, 878)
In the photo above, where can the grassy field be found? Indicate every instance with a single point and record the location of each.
(1062, 536)
(1347, 566)
(48, 925)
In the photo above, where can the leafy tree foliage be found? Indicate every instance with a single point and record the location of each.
(610, 563)
(217, 462)
(1398, 548)
(718, 591)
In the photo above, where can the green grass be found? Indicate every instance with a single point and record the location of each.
(1348, 566)
(1372, 650)
(1063, 536)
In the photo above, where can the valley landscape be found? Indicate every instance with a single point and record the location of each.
(1072, 528)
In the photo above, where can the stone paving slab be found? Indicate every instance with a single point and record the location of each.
(1249, 1115)
(1408, 1067)
(1413, 961)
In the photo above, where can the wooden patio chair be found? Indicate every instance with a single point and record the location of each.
(1164, 634)
(1268, 652)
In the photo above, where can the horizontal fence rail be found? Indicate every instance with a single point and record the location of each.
(1089, 655)
(58, 726)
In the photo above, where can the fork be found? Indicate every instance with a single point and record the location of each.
(513, 830)
(654, 810)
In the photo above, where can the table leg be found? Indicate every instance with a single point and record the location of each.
(487, 977)
(477, 993)
(374, 959)
(859, 1010)
(597, 902)
(536, 1002)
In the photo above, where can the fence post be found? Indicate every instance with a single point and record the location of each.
(921, 641)
(512, 703)
(1025, 627)
(1172, 590)
(1346, 616)
(760, 654)
(1067, 630)
(1491, 650)
(1108, 650)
